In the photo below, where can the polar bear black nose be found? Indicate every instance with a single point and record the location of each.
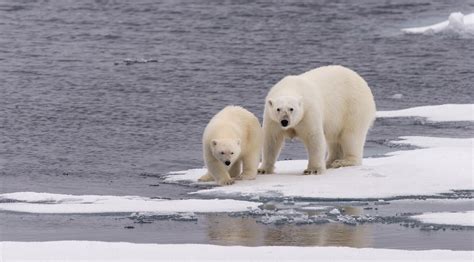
(284, 122)
(227, 162)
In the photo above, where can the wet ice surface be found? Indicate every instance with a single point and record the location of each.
(398, 174)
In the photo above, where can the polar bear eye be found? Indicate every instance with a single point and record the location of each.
(278, 109)
(291, 109)
(222, 152)
(231, 153)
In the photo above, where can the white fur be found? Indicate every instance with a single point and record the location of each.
(329, 108)
(234, 134)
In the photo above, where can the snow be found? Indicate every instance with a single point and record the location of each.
(32, 202)
(120, 251)
(436, 113)
(457, 23)
(447, 218)
(439, 166)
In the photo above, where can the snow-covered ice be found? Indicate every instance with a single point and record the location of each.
(436, 113)
(457, 23)
(439, 166)
(447, 218)
(120, 251)
(31, 202)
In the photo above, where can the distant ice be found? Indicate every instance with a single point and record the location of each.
(447, 218)
(397, 96)
(437, 113)
(120, 251)
(457, 23)
(439, 166)
(32, 202)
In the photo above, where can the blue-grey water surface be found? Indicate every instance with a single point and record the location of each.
(76, 118)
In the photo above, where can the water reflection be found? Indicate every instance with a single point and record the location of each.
(224, 230)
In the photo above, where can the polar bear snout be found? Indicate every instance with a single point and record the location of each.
(227, 163)
(284, 123)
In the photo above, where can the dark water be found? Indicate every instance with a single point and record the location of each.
(75, 118)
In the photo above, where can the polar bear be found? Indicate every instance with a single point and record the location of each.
(328, 107)
(232, 141)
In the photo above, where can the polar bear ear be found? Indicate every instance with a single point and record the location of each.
(270, 102)
(214, 142)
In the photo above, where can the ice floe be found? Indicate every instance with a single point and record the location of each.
(120, 251)
(440, 165)
(447, 218)
(457, 23)
(435, 113)
(31, 202)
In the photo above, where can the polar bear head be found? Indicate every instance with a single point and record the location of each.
(226, 150)
(286, 110)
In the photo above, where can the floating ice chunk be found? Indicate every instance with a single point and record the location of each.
(457, 23)
(149, 217)
(274, 219)
(436, 113)
(335, 211)
(397, 96)
(447, 218)
(314, 208)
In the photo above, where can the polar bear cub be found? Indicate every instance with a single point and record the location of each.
(329, 107)
(231, 143)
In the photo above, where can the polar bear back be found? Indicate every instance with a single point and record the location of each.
(234, 122)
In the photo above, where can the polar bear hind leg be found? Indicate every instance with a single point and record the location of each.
(352, 145)
(334, 153)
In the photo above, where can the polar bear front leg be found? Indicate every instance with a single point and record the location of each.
(250, 165)
(272, 143)
(219, 172)
(235, 169)
(316, 145)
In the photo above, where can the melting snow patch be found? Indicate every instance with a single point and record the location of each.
(447, 218)
(31, 202)
(438, 113)
(440, 166)
(457, 23)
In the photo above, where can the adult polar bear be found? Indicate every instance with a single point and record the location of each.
(328, 107)
(231, 142)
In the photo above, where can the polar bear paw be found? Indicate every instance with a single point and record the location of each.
(265, 171)
(247, 176)
(314, 171)
(226, 182)
(342, 163)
